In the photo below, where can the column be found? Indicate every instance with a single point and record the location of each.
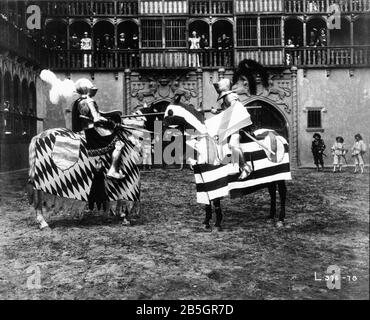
(127, 105)
(294, 131)
(200, 87)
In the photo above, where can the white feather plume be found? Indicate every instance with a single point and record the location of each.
(59, 88)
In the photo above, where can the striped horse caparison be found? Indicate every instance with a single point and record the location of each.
(63, 173)
(216, 181)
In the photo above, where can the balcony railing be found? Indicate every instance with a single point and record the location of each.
(265, 55)
(322, 6)
(197, 7)
(243, 6)
(206, 7)
(139, 59)
(211, 58)
(328, 56)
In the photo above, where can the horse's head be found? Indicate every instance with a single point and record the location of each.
(184, 117)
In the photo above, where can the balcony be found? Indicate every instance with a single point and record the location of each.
(322, 6)
(329, 56)
(268, 56)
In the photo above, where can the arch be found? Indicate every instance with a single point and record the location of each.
(79, 27)
(127, 35)
(219, 28)
(103, 35)
(361, 31)
(16, 94)
(56, 34)
(201, 27)
(293, 30)
(268, 116)
(8, 88)
(342, 36)
(314, 27)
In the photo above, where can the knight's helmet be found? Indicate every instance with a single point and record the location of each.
(85, 86)
(223, 88)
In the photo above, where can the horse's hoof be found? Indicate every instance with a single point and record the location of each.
(270, 220)
(279, 224)
(219, 228)
(44, 226)
(207, 226)
(125, 222)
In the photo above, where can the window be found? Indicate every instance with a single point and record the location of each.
(314, 119)
(175, 33)
(246, 32)
(270, 32)
(151, 33)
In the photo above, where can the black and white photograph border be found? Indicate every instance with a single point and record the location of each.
(206, 151)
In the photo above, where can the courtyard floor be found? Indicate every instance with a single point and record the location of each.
(167, 254)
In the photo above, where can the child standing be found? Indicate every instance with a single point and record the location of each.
(359, 148)
(338, 153)
(317, 148)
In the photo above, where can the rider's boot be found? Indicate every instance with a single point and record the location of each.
(114, 172)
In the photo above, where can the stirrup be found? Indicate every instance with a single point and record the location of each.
(246, 171)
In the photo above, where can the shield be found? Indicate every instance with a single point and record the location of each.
(66, 151)
(275, 144)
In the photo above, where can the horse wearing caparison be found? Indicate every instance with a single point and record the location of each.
(262, 170)
(65, 173)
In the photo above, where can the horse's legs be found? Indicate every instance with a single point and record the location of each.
(208, 215)
(38, 208)
(282, 194)
(272, 192)
(217, 204)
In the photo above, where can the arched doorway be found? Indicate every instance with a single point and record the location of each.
(265, 115)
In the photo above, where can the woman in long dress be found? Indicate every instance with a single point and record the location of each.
(194, 45)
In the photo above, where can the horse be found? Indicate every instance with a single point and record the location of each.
(215, 181)
(64, 174)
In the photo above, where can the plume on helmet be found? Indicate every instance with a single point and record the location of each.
(248, 69)
(59, 88)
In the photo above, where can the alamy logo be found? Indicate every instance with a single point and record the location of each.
(34, 280)
(33, 17)
(334, 19)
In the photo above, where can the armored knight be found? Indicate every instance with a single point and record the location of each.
(223, 88)
(98, 130)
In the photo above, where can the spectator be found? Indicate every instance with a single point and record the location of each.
(194, 41)
(107, 43)
(358, 150)
(86, 45)
(339, 152)
(122, 41)
(290, 43)
(313, 41)
(225, 42)
(322, 37)
(317, 148)
(203, 42)
(75, 42)
(219, 43)
(135, 41)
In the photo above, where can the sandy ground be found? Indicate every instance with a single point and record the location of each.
(167, 254)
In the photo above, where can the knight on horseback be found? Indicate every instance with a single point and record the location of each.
(230, 98)
(98, 130)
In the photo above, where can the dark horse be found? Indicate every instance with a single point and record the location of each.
(174, 118)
